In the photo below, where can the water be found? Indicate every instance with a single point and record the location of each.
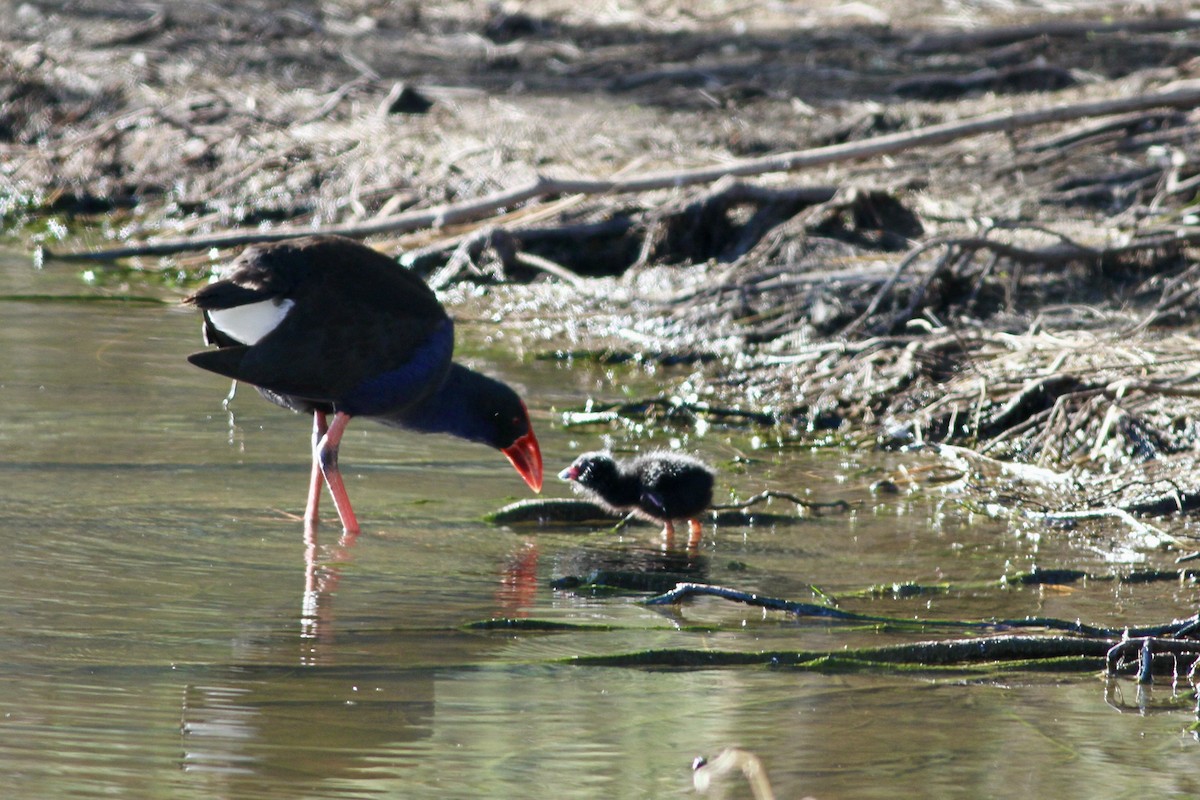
(156, 641)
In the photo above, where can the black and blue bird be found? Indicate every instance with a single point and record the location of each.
(659, 486)
(327, 326)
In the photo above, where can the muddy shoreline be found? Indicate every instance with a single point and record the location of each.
(1027, 294)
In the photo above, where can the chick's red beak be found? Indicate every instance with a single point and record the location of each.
(526, 458)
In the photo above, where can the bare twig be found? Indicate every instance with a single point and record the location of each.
(769, 494)
(1150, 532)
(331, 102)
(890, 283)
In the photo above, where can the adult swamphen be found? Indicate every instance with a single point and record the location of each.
(325, 325)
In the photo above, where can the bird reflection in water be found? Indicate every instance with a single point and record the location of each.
(517, 594)
(321, 577)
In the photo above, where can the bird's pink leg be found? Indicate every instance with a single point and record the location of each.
(668, 536)
(326, 456)
(320, 426)
(695, 532)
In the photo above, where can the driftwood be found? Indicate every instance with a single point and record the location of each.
(772, 494)
(1145, 648)
(550, 511)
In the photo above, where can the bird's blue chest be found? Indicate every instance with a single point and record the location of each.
(406, 385)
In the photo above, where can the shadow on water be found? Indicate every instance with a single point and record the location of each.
(168, 632)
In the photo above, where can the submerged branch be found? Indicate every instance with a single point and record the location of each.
(684, 591)
(1069, 652)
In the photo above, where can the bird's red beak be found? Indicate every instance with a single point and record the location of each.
(526, 458)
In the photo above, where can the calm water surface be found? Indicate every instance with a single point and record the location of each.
(157, 644)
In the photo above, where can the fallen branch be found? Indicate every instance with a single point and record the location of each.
(573, 234)
(1088, 131)
(890, 283)
(1008, 34)
(549, 267)
(684, 591)
(1187, 96)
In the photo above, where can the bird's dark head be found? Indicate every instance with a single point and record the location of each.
(480, 409)
(502, 421)
(591, 470)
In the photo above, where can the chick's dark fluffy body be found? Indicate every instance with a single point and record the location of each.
(659, 486)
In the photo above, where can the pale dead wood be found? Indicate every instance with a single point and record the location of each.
(549, 267)
(1007, 34)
